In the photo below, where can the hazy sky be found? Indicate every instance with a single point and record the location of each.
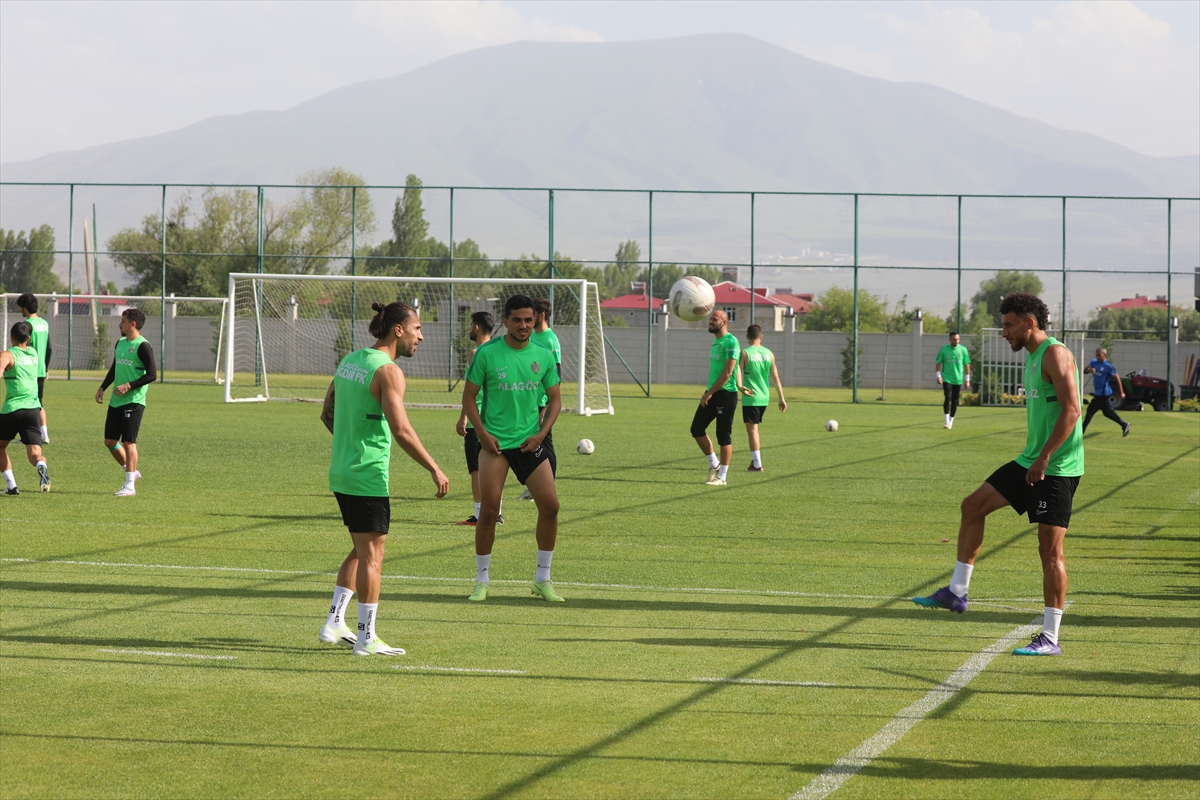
(79, 74)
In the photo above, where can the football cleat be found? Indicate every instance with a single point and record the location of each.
(13, 490)
(715, 481)
(525, 495)
(125, 491)
(753, 468)
(713, 472)
(1125, 430)
(943, 598)
(377, 647)
(471, 520)
(44, 475)
(479, 594)
(545, 590)
(340, 635)
(1040, 646)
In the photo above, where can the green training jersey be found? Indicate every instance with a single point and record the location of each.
(20, 380)
(38, 339)
(549, 340)
(953, 358)
(511, 382)
(724, 348)
(362, 442)
(478, 397)
(757, 375)
(1041, 413)
(129, 368)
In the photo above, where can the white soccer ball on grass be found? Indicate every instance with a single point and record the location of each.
(692, 298)
(585, 447)
(831, 425)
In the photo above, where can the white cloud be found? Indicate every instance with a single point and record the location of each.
(1103, 67)
(79, 74)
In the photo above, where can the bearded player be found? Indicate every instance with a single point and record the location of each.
(1041, 481)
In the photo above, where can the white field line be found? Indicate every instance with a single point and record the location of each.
(165, 654)
(848, 765)
(431, 579)
(761, 682)
(464, 669)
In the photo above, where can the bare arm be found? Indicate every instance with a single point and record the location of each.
(553, 406)
(937, 368)
(778, 384)
(1059, 367)
(471, 409)
(387, 386)
(6, 360)
(327, 408)
(742, 362)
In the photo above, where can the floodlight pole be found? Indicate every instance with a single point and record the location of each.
(1062, 325)
(70, 280)
(752, 258)
(854, 344)
(958, 303)
(1170, 330)
(353, 262)
(453, 321)
(162, 310)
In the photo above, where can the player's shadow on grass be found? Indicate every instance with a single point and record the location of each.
(943, 771)
(223, 645)
(746, 644)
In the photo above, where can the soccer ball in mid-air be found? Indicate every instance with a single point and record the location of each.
(585, 447)
(692, 298)
(831, 425)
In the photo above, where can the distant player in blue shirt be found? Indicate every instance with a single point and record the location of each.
(1103, 369)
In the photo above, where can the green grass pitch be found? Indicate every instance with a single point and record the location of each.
(715, 642)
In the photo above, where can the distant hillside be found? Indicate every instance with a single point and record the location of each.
(703, 112)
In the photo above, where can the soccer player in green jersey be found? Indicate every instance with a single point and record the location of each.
(364, 408)
(480, 332)
(19, 414)
(511, 373)
(547, 338)
(952, 366)
(39, 340)
(758, 370)
(132, 371)
(1041, 481)
(719, 400)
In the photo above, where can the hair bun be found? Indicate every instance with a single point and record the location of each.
(377, 307)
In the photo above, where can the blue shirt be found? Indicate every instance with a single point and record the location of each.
(1103, 370)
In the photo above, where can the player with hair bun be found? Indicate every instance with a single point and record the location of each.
(19, 414)
(363, 409)
(1041, 481)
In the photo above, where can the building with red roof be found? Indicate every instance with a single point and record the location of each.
(1139, 301)
(770, 310)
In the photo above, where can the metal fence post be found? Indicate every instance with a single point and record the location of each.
(258, 349)
(752, 320)
(70, 281)
(550, 274)
(353, 262)
(854, 344)
(453, 321)
(1170, 330)
(162, 310)
(958, 300)
(1062, 325)
(650, 294)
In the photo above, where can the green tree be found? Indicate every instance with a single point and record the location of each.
(408, 251)
(623, 271)
(27, 262)
(1153, 319)
(834, 311)
(985, 304)
(665, 276)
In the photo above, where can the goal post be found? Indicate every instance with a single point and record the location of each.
(285, 334)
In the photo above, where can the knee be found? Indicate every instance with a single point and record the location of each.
(488, 514)
(971, 507)
(548, 508)
(698, 433)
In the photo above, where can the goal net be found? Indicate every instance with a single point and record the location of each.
(287, 333)
(185, 332)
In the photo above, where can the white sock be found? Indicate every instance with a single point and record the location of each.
(366, 622)
(543, 565)
(9, 481)
(947, 416)
(722, 471)
(482, 563)
(756, 457)
(477, 505)
(45, 433)
(131, 477)
(961, 579)
(1051, 622)
(713, 461)
(337, 608)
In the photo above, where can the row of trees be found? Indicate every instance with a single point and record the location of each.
(27, 262)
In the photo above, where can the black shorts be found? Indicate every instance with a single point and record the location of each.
(1048, 501)
(720, 407)
(365, 514)
(549, 442)
(24, 422)
(471, 448)
(123, 422)
(523, 464)
(753, 414)
(41, 388)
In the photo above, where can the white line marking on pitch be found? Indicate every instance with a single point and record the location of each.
(629, 586)
(464, 669)
(848, 765)
(165, 654)
(761, 682)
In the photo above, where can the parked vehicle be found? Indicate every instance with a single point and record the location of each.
(1141, 388)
